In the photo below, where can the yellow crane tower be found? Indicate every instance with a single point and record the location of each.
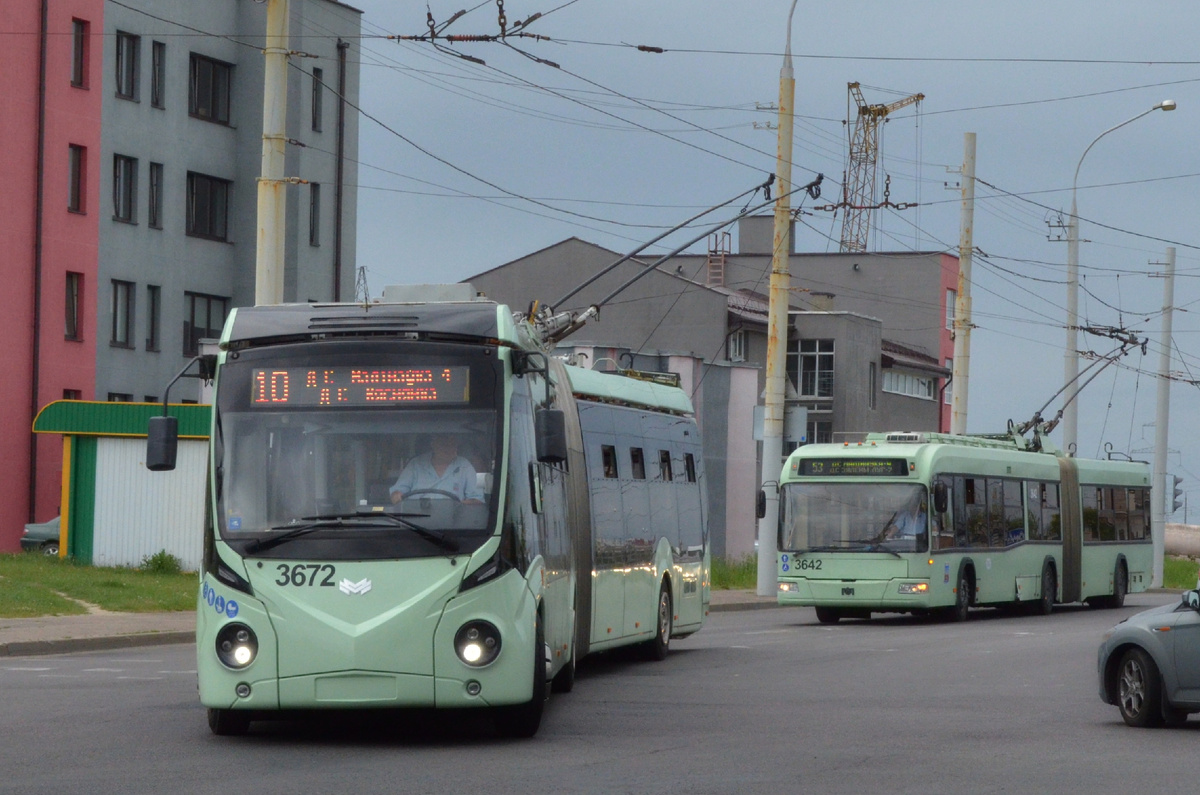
(859, 191)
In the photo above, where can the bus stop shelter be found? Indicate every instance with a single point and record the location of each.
(115, 512)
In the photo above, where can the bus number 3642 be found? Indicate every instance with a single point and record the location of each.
(804, 564)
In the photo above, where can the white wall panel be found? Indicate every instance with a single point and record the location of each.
(139, 512)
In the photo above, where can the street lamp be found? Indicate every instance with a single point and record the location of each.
(777, 319)
(1071, 354)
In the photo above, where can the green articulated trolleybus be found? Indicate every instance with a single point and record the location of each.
(578, 525)
(933, 523)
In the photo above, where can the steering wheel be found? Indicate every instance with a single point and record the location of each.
(440, 492)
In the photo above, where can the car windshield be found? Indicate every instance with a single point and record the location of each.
(853, 517)
(298, 476)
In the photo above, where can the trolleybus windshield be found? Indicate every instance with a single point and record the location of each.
(364, 454)
(853, 517)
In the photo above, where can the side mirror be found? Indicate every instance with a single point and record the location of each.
(551, 430)
(760, 504)
(162, 443)
(1192, 600)
(941, 499)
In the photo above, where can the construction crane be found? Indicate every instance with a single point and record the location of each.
(859, 191)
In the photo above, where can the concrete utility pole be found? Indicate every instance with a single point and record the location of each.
(962, 300)
(1160, 493)
(777, 323)
(272, 188)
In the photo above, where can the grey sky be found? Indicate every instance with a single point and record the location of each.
(619, 144)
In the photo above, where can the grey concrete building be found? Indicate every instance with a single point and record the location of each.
(868, 343)
(181, 145)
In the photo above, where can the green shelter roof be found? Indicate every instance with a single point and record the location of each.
(96, 418)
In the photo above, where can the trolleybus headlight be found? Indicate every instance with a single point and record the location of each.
(788, 586)
(477, 643)
(914, 587)
(237, 645)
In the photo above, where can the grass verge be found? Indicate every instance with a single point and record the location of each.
(1179, 573)
(35, 585)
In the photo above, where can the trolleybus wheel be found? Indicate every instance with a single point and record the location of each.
(523, 720)
(828, 615)
(1049, 588)
(962, 598)
(564, 680)
(227, 722)
(657, 647)
(1139, 695)
(1120, 588)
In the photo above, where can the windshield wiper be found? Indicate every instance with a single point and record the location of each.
(872, 545)
(309, 524)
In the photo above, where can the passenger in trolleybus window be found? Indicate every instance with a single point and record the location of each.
(440, 473)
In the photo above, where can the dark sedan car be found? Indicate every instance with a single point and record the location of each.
(41, 537)
(1149, 664)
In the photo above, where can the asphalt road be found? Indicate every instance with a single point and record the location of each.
(764, 701)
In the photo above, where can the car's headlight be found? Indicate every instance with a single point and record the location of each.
(913, 587)
(477, 643)
(237, 646)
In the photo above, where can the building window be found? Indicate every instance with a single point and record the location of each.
(637, 461)
(314, 214)
(951, 298)
(74, 306)
(689, 466)
(907, 384)
(819, 431)
(737, 346)
(810, 367)
(872, 386)
(158, 73)
(77, 166)
(153, 316)
(120, 397)
(947, 395)
(125, 189)
(122, 314)
(608, 458)
(317, 86)
(207, 206)
(154, 207)
(72, 394)
(79, 52)
(208, 94)
(127, 65)
(664, 465)
(204, 317)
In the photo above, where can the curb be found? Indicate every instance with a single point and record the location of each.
(738, 606)
(37, 648)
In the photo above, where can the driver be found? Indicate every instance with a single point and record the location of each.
(442, 469)
(908, 523)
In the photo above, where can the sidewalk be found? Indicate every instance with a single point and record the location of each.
(102, 630)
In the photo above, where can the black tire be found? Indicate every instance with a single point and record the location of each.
(564, 680)
(1120, 589)
(50, 549)
(664, 621)
(828, 615)
(961, 610)
(1045, 605)
(227, 722)
(1139, 690)
(523, 720)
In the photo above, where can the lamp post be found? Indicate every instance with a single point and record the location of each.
(777, 320)
(1071, 354)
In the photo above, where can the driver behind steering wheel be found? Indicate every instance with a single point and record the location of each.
(442, 469)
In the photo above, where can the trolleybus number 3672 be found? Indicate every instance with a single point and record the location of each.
(298, 575)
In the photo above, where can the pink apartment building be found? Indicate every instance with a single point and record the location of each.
(49, 212)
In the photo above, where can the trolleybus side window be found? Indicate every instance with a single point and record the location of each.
(1014, 514)
(1089, 497)
(1139, 514)
(1045, 523)
(526, 525)
(943, 527)
(1107, 515)
(970, 524)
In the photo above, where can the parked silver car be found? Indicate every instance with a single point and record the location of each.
(1149, 664)
(41, 537)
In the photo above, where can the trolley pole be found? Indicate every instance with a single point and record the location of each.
(1160, 493)
(272, 195)
(777, 322)
(962, 302)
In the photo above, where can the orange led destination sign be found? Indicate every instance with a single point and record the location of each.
(359, 386)
(861, 467)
